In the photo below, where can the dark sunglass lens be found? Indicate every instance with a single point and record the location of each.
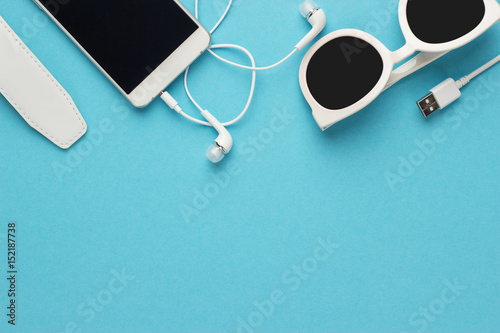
(343, 71)
(442, 21)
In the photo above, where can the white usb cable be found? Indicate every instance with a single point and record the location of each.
(449, 91)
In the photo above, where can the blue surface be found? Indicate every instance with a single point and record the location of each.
(117, 207)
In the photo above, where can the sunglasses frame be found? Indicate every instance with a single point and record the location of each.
(428, 53)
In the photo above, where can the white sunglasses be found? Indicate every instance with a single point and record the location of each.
(347, 69)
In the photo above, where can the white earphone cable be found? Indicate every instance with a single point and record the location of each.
(253, 68)
(230, 3)
(250, 96)
(186, 73)
(231, 45)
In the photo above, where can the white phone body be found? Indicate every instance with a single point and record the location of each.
(163, 75)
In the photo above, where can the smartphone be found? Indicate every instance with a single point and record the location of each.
(140, 45)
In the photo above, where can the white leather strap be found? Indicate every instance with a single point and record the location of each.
(35, 94)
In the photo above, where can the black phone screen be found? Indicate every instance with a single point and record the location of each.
(127, 38)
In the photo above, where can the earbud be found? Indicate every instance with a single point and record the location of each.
(224, 142)
(316, 17)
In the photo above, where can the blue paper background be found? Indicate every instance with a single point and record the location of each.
(117, 208)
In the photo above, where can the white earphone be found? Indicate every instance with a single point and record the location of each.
(316, 17)
(224, 142)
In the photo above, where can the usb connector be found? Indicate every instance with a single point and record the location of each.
(449, 91)
(428, 105)
(440, 97)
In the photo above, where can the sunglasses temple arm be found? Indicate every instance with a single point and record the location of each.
(419, 61)
(498, 12)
